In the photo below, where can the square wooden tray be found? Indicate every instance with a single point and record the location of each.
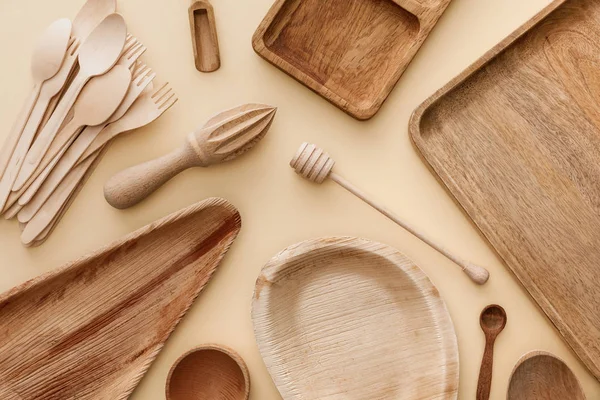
(352, 52)
(516, 140)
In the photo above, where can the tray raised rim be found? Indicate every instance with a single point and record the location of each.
(360, 113)
(460, 199)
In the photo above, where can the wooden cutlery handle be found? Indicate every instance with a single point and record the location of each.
(484, 383)
(129, 187)
(46, 136)
(15, 134)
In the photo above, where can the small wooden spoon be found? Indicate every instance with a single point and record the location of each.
(542, 376)
(97, 102)
(492, 321)
(209, 372)
(45, 63)
(98, 54)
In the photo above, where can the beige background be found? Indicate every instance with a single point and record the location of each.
(277, 207)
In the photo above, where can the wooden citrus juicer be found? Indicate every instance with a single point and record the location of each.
(205, 42)
(97, 55)
(209, 372)
(45, 63)
(315, 165)
(225, 139)
(541, 375)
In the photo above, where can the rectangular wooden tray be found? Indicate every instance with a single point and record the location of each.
(516, 140)
(352, 52)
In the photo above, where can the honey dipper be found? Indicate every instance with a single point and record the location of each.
(315, 165)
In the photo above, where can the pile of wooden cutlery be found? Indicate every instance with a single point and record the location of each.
(88, 87)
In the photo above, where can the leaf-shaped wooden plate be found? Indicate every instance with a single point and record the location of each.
(91, 329)
(347, 318)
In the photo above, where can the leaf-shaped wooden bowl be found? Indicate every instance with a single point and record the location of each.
(347, 318)
(91, 329)
(212, 372)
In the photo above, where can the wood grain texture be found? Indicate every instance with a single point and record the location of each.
(516, 140)
(347, 318)
(352, 52)
(91, 329)
(209, 372)
(205, 41)
(542, 376)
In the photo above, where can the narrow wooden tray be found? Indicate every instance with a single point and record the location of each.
(352, 52)
(516, 139)
(347, 318)
(90, 330)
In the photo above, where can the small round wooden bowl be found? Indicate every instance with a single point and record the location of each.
(210, 372)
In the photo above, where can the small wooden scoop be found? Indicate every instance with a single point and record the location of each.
(542, 376)
(492, 321)
(227, 138)
(209, 372)
(314, 164)
(204, 36)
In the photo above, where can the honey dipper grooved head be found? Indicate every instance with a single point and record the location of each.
(312, 163)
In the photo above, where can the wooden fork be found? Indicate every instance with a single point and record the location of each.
(132, 51)
(33, 200)
(155, 103)
(145, 110)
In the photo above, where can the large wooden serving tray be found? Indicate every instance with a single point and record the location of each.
(516, 140)
(91, 329)
(352, 52)
(347, 318)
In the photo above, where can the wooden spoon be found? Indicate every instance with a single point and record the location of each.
(45, 63)
(67, 161)
(97, 55)
(209, 372)
(205, 41)
(492, 321)
(542, 376)
(207, 146)
(97, 102)
(90, 15)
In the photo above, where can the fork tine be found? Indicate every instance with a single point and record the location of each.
(137, 52)
(129, 43)
(168, 103)
(159, 99)
(140, 73)
(132, 49)
(157, 91)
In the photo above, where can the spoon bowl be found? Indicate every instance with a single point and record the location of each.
(50, 50)
(90, 15)
(102, 95)
(209, 372)
(102, 48)
(493, 319)
(541, 375)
